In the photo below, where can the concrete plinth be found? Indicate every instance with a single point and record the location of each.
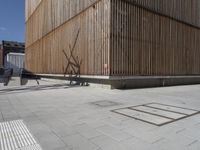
(127, 82)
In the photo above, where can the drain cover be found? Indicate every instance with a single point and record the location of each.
(156, 113)
(105, 103)
(14, 135)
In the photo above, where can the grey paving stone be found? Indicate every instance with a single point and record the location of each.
(194, 145)
(139, 144)
(107, 143)
(9, 116)
(177, 141)
(105, 103)
(65, 148)
(39, 129)
(31, 119)
(1, 117)
(86, 131)
(78, 142)
(137, 126)
(193, 132)
(114, 133)
(169, 145)
(50, 141)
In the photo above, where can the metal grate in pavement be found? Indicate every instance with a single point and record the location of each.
(156, 113)
(105, 103)
(14, 135)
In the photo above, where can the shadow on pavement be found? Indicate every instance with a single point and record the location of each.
(35, 88)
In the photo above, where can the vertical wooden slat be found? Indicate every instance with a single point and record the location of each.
(161, 45)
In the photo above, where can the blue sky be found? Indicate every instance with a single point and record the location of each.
(12, 20)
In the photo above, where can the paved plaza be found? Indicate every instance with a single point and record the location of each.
(60, 117)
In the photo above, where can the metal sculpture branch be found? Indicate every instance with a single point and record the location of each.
(74, 64)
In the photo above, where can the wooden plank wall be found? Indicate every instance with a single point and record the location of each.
(31, 6)
(145, 43)
(142, 42)
(51, 14)
(47, 35)
(185, 10)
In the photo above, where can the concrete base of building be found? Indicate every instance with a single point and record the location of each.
(125, 82)
(152, 81)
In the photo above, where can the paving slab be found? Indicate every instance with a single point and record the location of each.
(50, 141)
(86, 131)
(137, 144)
(78, 142)
(106, 143)
(114, 133)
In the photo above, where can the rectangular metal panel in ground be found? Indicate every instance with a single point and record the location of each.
(156, 113)
(152, 119)
(159, 112)
(175, 109)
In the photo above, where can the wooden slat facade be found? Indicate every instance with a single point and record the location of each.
(54, 26)
(146, 43)
(50, 14)
(31, 6)
(183, 10)
(117, 37)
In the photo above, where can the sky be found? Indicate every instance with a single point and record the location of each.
(12, 22)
